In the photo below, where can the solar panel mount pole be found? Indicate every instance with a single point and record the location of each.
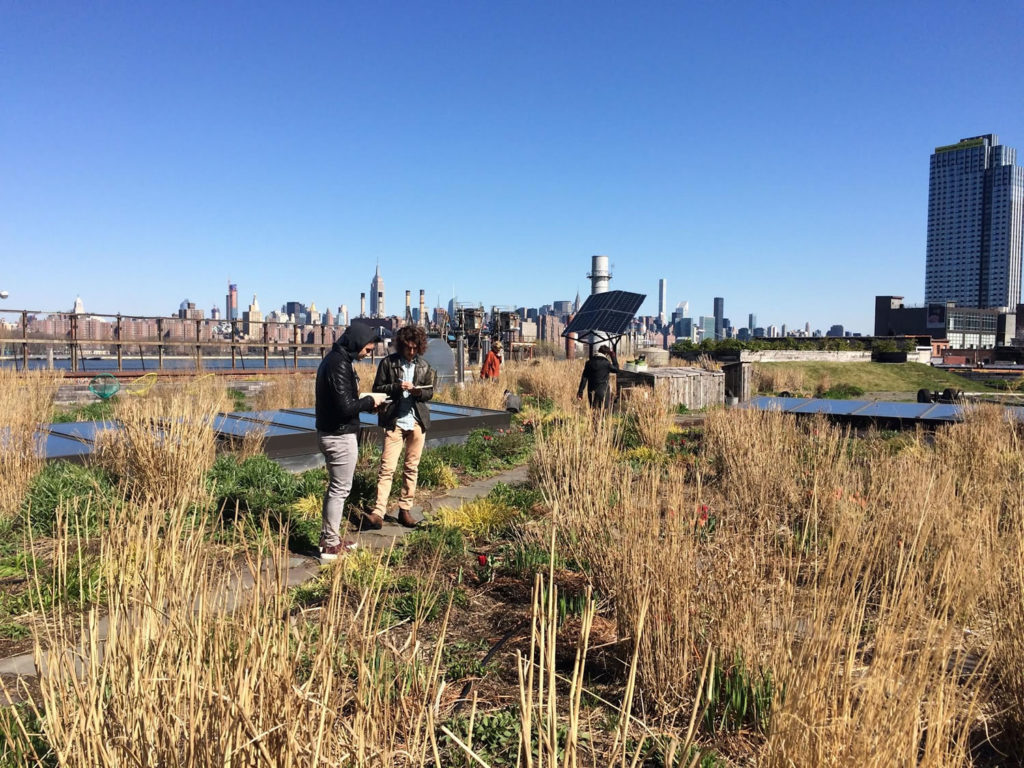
(460, 356)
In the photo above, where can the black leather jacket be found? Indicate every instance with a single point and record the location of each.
(596, 373)
(389, 381)
(337, 385)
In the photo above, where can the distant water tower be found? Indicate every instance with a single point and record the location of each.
(599, 275)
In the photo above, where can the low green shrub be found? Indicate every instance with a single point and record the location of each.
(487, 451)
(255, 486)
(842, 392)
(436, 473)
(520, 496)
(434, 541)
(99, 410)
(79, 488)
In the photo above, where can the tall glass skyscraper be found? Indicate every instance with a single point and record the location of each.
(975, 219)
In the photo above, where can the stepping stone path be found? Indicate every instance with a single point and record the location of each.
(300, 567)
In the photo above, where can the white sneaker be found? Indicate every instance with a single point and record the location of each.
(328, 554)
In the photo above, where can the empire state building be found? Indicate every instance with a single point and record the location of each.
(377, 295)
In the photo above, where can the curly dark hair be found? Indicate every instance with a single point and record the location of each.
(411, 334)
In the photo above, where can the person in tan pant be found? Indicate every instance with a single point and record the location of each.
(408, 381)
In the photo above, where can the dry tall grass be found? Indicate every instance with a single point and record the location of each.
(546, 378)
(875, 583)
(196, 670)
(166, 442)
(862, 578)
(287, 390)
(649, 411)
(768, 378)
(26, 400)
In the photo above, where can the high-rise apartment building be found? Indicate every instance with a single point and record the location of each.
(719, 317)
(662, 300)
(975, 220)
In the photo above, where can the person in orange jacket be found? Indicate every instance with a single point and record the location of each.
(492, 363)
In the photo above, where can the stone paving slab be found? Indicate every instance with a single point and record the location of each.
(301, 568)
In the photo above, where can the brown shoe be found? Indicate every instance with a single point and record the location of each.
(371, 522)
(406, 520)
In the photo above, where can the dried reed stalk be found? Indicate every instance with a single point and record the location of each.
(777, 378)
(198, 670)
(649, 409)
(287, 390)
(26, 400)
(166, 443)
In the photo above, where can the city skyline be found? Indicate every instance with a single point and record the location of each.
(746, 151)
(293, 307)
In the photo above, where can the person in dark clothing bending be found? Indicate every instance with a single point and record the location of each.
(338, 406)
(595, 378)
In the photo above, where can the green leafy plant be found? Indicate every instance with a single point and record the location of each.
(464, 658)
(738, 697)
(99, 410)
(78, 488)
(434, 541)
(255, 486)
(842, 392)
(238, 399)
(522, 496)
(523, 559)
(434, 472)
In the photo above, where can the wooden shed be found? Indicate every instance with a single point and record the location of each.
(693, 387)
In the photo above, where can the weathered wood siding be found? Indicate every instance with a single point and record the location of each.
(693, 387)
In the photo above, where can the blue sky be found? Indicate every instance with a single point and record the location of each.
(775, 154)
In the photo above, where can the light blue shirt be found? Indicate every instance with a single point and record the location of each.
(406, 417)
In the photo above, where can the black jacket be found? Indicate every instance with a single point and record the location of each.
(389, 381)
(337, 385)
(595, 375)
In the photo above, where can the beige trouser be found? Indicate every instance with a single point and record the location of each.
(394, 440)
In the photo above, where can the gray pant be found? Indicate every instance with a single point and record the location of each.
(340, 453)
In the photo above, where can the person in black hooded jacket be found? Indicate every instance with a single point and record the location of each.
(595, 378)
(338, 406)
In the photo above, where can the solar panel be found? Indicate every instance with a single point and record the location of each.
(608, 313)
(829, 407)
(869, 409)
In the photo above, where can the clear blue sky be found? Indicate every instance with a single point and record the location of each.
(774, 153)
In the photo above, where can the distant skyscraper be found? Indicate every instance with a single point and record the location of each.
(252, 319)
(662, 300)
(231, 303)
(719, 316)
(751, 322)
(975, 218)
(297, 310)
(377, 295)
(707, 327)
